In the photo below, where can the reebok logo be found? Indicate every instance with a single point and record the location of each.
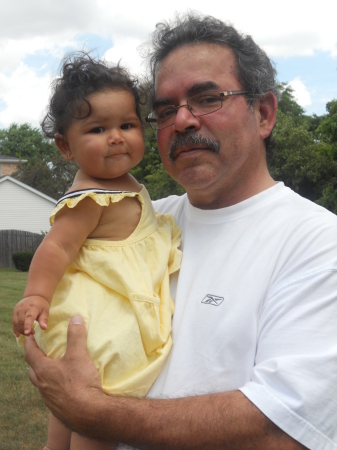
(214, 300)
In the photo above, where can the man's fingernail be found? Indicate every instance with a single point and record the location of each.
(76, 320)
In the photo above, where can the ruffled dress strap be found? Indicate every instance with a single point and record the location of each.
(101, 196)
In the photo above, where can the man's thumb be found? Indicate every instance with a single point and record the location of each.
(76, 320)
(77, 334)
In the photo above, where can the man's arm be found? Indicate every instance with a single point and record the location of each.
(71, 388)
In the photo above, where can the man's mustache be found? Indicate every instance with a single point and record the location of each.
(191, 138)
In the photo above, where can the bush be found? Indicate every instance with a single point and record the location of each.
(22, 260)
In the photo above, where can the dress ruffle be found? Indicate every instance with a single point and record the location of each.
(99, 198)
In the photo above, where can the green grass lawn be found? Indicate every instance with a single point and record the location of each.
(23, 415)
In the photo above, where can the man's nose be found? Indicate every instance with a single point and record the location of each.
(185, 120)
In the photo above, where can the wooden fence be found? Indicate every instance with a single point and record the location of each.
(12, 241)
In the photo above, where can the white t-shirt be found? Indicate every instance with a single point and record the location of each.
(256, 310)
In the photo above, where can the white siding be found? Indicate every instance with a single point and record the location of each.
(21, 209)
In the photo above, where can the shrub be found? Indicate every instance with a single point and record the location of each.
(22, 260)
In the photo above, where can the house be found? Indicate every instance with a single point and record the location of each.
(23, 207)
(8, 164)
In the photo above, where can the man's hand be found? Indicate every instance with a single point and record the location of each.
(26, 311)
(71, 388)
(67, 385)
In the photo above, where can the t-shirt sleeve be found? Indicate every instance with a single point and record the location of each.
(294, 378)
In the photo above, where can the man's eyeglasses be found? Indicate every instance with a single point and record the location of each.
(199, 105)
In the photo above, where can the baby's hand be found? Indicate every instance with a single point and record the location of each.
(26, 311)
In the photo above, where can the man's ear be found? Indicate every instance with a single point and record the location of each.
(268, 108)
(63, 146)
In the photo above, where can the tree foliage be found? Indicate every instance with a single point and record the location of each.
(287, 102)
(45, 170)
(327, 129)
(303, 163)
(53, 176)
(306, 155)
(24, 142)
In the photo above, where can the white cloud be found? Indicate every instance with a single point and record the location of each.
(301, 93)
(324, 100)
(26, 19)
(302, 43)
(294, 28)
(125, 51)
(13, 51)
(47, 27)
(25, 95)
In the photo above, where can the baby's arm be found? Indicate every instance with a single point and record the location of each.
(57, 251)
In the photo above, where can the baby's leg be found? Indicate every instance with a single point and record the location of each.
(58, 435)
(79, 442)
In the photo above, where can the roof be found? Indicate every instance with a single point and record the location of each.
(10, 159)
(25, 186)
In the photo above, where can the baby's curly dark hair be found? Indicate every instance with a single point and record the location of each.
(81, 76)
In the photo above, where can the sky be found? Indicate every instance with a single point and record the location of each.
(35, 34)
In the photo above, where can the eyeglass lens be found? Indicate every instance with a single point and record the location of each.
(199, 105)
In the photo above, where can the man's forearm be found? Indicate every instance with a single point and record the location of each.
(217, 421)
(72, 389)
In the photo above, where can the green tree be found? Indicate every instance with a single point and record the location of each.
(329, 198)
(24, 141)
(287, 102)
(288, 105)
(327, 130)
(53, 176)
(306, 164)
(306, 154)
(45, 170)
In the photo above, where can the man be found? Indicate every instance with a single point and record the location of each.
(254, 359)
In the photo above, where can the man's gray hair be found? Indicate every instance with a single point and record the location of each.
(255, 71)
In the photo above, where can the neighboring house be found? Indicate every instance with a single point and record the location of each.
(23, 207)
(8, 164)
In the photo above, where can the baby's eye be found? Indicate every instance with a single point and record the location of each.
(97, 130)
(126, 126)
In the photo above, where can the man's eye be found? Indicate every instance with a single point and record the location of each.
(205, 100)
(126, 126)
(97, 130)
(165, 113)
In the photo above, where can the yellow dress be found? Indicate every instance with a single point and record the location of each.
(121, 289)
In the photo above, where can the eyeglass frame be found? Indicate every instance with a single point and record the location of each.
(222, 94)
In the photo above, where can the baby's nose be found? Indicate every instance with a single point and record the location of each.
(115, 137)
